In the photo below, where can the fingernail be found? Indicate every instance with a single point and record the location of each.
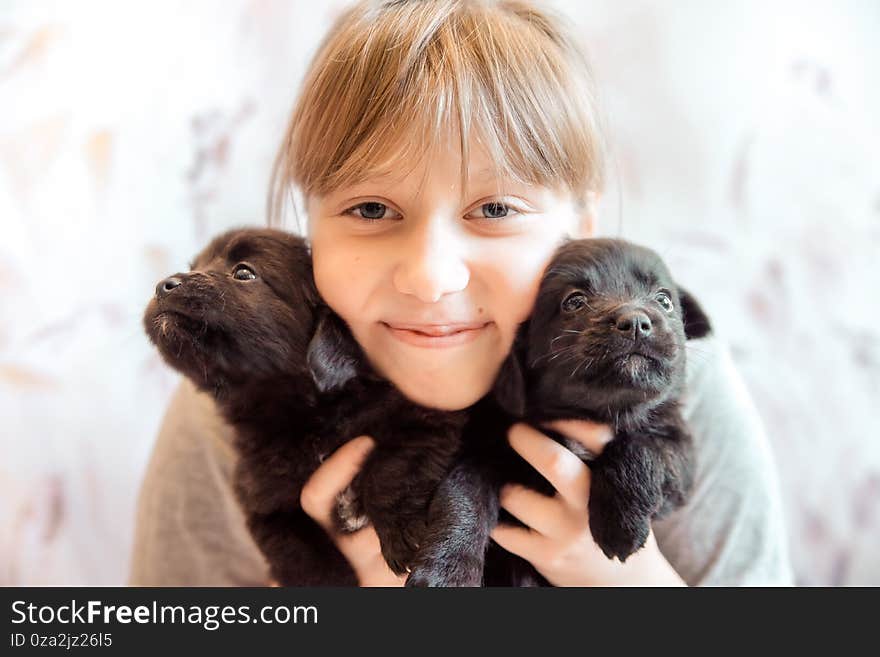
(519, 428)
(365, 443)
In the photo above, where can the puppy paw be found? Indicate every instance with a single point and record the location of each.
(463, 571)
(421, 577)
(350, 515)
(619, 537)
(619, 515)
(397, 550)
(399, 543)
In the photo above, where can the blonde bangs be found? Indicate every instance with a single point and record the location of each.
(392, 80)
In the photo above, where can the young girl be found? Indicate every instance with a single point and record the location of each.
(442, 151)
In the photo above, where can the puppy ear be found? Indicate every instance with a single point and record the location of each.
(333, 354)
(510, 384)
(696, 323)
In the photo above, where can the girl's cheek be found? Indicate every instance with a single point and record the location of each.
(345, 274)
(516, 270)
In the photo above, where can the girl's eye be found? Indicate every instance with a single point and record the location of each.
(662, 297)
(574, 301)
(369, 211)
(495, 210)
(243, 272)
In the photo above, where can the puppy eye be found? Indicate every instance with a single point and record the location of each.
(574, 301)
(243, 272)
(662, 297)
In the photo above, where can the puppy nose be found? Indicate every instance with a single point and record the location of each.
(636, 324)
(164, 287)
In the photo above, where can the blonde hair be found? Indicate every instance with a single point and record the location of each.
(392, 77)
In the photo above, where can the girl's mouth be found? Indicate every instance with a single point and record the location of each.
(436, 335)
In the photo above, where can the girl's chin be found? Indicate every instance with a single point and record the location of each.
(443, 378)
(441, 400)
(445, 392)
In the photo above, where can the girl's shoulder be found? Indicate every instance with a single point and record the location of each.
(192, 418)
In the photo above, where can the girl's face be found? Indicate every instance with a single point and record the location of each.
(432, 280)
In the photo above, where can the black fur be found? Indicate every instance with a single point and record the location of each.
(599, 346)
(289, 377)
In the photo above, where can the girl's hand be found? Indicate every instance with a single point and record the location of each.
(318, 498)
(557, 539)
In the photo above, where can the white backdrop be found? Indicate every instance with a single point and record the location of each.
(746, 149)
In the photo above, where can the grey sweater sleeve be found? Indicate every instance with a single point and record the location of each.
(190, 531)
(731, 532)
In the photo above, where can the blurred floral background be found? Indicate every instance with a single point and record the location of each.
(745, 139)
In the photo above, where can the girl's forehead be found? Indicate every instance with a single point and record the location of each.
(444, 164)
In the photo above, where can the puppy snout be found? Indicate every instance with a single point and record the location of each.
(165, 287)
(635, 324)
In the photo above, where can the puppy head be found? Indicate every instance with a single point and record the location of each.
(245, 311)
(607, 333)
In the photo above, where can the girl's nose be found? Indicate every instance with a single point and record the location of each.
(431, 265)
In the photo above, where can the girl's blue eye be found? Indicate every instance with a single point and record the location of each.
(495, 210)
(369, 211)
(372, 210)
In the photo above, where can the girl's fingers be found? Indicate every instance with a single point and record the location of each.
(318, 496)
(565, 471)
(359, 547)
(363, 551)
(521, 541)
(537, 511)
(591, 435)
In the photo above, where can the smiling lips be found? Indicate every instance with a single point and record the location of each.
(436, 335)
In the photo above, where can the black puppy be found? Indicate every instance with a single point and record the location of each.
(605, 342)
(247, 324)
